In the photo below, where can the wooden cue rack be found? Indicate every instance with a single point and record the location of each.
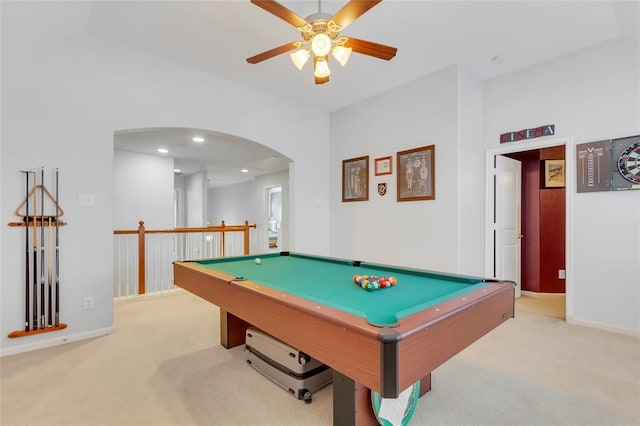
(42, 221)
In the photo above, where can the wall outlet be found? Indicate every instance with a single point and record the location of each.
(562, 274)
(88, 303)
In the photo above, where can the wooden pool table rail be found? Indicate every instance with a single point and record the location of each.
(344, 341)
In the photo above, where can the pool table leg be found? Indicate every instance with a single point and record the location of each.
(352, 401)
(232, 329)
(425, 384)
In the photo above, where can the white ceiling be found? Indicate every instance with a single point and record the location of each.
(221, 156)
(217, 36)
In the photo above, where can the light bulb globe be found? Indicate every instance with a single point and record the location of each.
(321, 44)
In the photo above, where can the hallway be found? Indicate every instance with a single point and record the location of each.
(547, 304)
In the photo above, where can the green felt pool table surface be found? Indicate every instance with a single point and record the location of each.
(330, 282)
(382, 340)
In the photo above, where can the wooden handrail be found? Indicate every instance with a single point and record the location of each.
(212, 228)
(141, 232)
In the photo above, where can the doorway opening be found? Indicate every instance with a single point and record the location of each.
(273, 198)
(530, 248)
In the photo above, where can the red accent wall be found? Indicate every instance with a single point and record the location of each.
(543, 224)
(530, 221)
(552, 229)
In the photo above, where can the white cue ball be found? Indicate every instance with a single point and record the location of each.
(258, 261)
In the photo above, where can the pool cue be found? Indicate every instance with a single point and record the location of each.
(28, 255)
(42, 257)
(34, 322)
(49, 279)
(57, 314)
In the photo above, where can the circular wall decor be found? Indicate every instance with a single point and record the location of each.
(629, 163)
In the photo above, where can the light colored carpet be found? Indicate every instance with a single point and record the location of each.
(552, 305)
(163, 365)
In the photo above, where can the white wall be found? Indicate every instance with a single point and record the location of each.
(142, 190)
(413, 233)
(469, 163)
(72, 91)
(195, 199)
(246, 201)
(64, 94)
(591, 95)
(235, 203)
(179, 188)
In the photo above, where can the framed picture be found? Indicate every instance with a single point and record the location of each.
(383, 166)
(417, 174)
(554, 173)
(355, 179)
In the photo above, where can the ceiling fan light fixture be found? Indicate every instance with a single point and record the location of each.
(342, 54)
(300, 58)
(321, 36)
(321, 44)
(321, 68)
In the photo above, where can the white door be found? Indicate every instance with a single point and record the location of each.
(507, 230)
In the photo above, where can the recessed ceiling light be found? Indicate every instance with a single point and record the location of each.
(163, 150)
(198, 139)
(244, 171)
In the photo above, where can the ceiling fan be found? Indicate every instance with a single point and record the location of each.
(321, 36)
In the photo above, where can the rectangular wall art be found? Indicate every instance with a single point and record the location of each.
(416, 174)
(355, 179)
(609, 165)
(554, 173)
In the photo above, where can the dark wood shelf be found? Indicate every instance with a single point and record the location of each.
(37, 223)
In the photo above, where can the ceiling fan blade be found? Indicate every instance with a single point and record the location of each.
(281, 12)
(372, 49)
(352, 10)
(321, 80)
(271, 53)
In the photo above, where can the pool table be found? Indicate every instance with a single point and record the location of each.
(383, 340)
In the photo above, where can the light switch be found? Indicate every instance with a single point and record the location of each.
(86, 200)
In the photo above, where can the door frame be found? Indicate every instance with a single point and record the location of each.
(570, 160)
(265, 220)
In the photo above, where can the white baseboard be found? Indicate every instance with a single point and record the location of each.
(28, 347)
(604, 327)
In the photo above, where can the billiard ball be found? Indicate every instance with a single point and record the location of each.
(258, 261)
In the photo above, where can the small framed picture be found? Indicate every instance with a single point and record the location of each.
(417, 174)
(355, 179)
(383, 166)
(554, 173)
